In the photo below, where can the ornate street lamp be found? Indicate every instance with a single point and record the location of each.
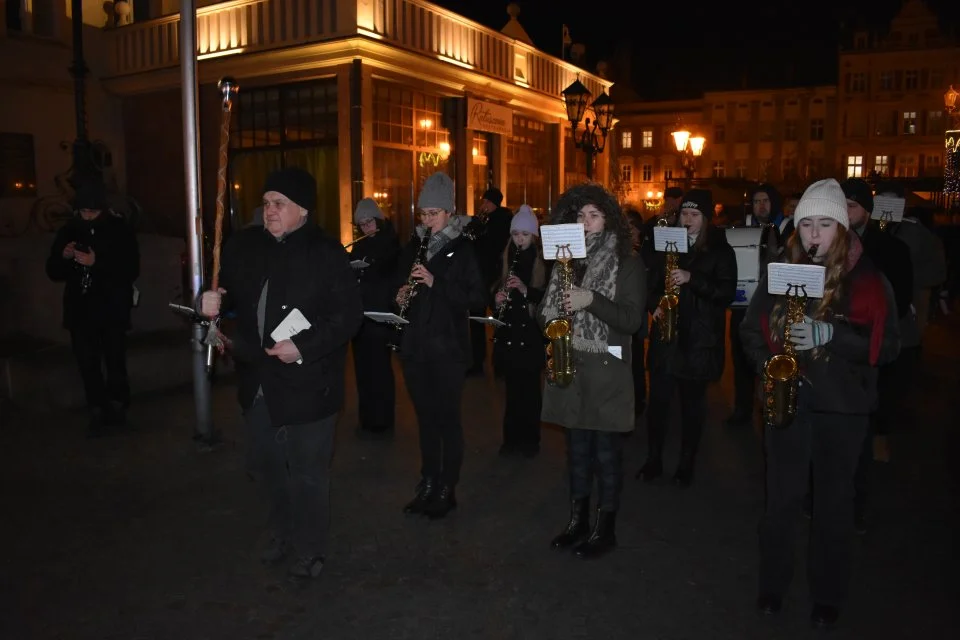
(951, 160)
(593, 139)
(689, 148)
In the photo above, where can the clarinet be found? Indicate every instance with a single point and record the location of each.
(412, 289)
(503, 289)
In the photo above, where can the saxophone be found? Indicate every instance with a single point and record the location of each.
(559, 331)
(670, 300)
(781, 371)
(411, 290)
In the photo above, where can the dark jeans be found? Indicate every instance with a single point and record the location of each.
(293, 464)
(744, 375)
(639, 364)
(831, 443)
(478, 340)
(373, 365)
(98, 347)
(693, 413)
(436, 388)
(524, 400)
(587, 449)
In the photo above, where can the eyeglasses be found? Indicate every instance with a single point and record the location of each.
(429, 214)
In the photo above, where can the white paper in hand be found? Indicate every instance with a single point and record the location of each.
(386, 317)
(563, 237)
(781, 276)
(294, 323)
(675, 237)
(359, 264)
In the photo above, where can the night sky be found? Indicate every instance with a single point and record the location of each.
(702, 47)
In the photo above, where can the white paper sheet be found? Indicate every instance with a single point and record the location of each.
(888, 208)
(359, 264)
(384, 316)
(662, 236)
(294, 323)
(488, 320)
(808, 276)
(553, 236)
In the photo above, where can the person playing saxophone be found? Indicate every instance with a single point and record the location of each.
(706, 282)
(435, 346)
(606, 304)
(518, 346)
(842, 339)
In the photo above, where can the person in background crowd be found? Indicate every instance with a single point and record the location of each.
(892, 258)
(291, 391)
(638, 360)
(706, 279)
(518, 349)
(435, 345)
(766, 210)
(490, 230)
(374, 259)
(606, 303)
(95, 254)
(843, 338)
(786, 225)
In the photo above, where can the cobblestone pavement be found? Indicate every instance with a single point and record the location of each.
(139, 536)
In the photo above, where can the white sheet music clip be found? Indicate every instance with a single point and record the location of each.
(488, 320)
(385, 317)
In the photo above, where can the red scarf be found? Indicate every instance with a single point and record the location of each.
(867, 308)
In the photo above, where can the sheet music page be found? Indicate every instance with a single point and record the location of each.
(294, 323)
(810, 276)
(664, 235)
(553, 236)
(488, 320)
(888, 208)
(359, 264)
(385, 316)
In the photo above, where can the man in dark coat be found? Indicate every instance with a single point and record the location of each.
(291, 379)
(96, 255)
(490, 229)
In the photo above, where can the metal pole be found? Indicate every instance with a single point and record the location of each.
(83, 167)
(191, 163)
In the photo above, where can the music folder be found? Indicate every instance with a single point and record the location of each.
(488, 320)
(294, 323)
(385, 316)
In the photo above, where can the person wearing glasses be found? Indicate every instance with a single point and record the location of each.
(439, 281)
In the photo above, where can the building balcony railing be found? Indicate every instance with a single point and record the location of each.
(248, 26)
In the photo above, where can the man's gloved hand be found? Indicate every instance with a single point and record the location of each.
(810, 334)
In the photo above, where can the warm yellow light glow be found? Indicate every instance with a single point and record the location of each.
(680, 139)
(659, 194)
(444, 150)
(523, 84)
(476, 152)
(696, 145)
(649, 194)
(236, 186)
(220, 54)
(368, 33)
(426, 123)
(455, 61)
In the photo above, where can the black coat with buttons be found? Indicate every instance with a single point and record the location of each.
(520, 344)
(306, 270)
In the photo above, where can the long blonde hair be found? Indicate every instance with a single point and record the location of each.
(836, 268)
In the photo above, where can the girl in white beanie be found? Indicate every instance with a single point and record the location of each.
(518, 349)
(842, 339)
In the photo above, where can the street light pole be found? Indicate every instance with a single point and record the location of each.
(83, 165)
(951, 160)
(594, 136)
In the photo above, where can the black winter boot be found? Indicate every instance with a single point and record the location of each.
(603, 538)
(441, 502)
(424, 492)
(577, 528)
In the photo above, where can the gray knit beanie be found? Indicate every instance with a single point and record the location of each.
(437, 193)
(367, 209)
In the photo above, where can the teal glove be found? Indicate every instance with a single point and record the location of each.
(810, 334)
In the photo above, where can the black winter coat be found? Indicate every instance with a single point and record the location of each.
(491, 239)
(521, 344)
(892, 257)
(306, 270)
(438, 315)
(381, 251)
(109, 296)
(698, 352)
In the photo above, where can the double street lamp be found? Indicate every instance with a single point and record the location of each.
(689, 148)
(576, 97)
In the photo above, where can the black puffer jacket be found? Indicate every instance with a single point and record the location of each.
(698, 352)
(309, 271)
(381, 252)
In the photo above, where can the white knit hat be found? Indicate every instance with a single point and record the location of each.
(525, 220)
(825, 199)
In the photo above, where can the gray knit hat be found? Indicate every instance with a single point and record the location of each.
(367, 209)
(437, 193)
